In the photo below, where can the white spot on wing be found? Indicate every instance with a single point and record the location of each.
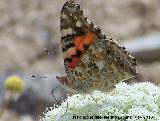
(85, 58)
(65, 32)
(78, 24)
(70, 30)
(75, 17)
(64, 16)
(100, 64)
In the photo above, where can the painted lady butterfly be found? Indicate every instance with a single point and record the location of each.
(92, 60)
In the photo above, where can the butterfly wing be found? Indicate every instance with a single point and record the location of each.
(77, 34)
(103, 65)
(92, 61)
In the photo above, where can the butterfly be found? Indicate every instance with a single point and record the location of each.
(92, 60)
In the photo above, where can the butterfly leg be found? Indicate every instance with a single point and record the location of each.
(91, 97)
(54, 96)
(65, 111)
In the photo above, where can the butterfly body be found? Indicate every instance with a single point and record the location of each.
(92, 60)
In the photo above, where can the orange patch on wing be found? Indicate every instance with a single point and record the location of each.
(79, 42)
(71, 51)
(74, 62)
(87, 39)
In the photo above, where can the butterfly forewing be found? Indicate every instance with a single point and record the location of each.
(92, 61)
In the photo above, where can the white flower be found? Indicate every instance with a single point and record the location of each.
(139, 102)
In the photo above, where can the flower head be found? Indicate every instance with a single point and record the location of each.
(136, 101)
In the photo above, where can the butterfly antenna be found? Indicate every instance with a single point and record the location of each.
(34, 76)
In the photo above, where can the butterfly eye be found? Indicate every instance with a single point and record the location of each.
(123, 48)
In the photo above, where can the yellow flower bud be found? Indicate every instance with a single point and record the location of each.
(14, 84)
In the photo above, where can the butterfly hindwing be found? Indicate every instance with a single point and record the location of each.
(103, 65)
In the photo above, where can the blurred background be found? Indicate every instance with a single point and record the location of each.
(27, 27)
